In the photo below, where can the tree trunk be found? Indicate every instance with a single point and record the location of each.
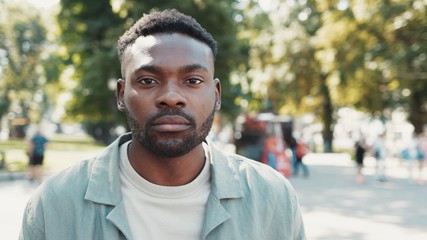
(4, 105)
(327, 111)
(416, 111)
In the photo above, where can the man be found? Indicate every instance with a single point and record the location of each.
(165, 180)
(360, 149)
(36, 149)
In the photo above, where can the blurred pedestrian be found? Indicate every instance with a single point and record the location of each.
(36, 152)
(380, 153)
(422, 144)
(291, 144)
(300, 152)
(411, 154)
(298, 149)
(165, 179)
(360, 149)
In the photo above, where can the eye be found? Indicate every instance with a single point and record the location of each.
(193, 81)
(147, 81)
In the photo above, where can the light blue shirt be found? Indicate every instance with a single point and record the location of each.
(248, 200)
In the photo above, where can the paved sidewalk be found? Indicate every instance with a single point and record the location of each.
(334, 206)
(13, 198)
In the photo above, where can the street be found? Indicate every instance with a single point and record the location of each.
(334, 206)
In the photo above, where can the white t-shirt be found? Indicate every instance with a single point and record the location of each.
(164, 212)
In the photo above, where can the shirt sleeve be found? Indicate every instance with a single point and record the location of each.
(33, 220)
(299, 230)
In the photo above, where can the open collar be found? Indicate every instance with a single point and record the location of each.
(104, 179)
(224, 175)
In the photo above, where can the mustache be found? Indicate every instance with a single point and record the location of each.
(172, 112)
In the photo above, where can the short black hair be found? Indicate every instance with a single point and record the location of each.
(167, 21)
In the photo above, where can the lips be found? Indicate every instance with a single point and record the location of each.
(171, 123)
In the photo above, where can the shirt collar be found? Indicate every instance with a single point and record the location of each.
(104, 179)
(224, 174)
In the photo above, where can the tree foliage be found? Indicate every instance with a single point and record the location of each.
(317, 56)
(385, 58)
(288, 70)
(22, 78)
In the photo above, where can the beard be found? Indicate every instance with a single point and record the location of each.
(170, 145)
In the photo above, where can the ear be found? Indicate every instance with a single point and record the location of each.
(120, 90)
(217, 83)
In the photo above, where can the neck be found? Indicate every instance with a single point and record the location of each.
(166, 171)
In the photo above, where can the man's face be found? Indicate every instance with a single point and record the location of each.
(169, 94)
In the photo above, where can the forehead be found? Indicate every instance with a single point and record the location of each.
(168, 50)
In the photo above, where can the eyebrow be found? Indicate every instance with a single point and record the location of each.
(148, 68)
(192, 67)
(155, 69)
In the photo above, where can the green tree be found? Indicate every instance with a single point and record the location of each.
(23, 40)
(382, 57)
(289, 72)
(88, 31)
(316, 56)
(407, 42)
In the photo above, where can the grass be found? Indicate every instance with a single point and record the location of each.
(61, 152)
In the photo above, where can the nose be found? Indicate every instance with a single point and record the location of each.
(171, 97)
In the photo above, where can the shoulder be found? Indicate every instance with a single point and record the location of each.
(256, 178)
(65, 187)
(266, 191)
(70, 182)
(258, 172)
